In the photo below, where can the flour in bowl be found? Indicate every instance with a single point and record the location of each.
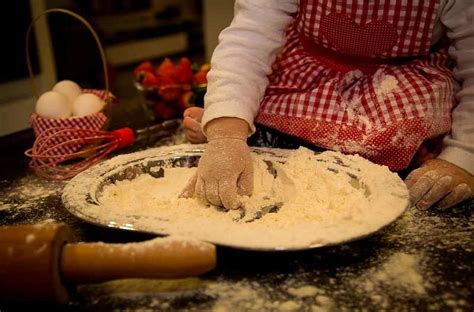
(322, 198)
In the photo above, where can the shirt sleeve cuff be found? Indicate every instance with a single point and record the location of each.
(227, 110)
(459, 157)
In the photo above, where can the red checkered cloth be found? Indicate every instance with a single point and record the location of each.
(358, 77)
(95, 121)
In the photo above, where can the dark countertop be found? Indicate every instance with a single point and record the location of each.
(421, 262)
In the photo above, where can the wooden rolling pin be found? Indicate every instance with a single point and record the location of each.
(43, 262)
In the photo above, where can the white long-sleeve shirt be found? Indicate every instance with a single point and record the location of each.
(238, 76)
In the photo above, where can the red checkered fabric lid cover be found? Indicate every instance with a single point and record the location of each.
(95, 121)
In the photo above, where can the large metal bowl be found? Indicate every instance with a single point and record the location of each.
(81, 195)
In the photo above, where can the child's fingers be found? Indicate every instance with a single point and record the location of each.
(245, 183)
(228, 193)
(191, 124)
(195, 138)
(193, 131)
(188, 190)
(460, 193)
(423, 185)
(439, 189)
(413, 177)
(199, 189)
(194, 113)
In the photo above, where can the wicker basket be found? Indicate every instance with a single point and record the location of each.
(96, 121)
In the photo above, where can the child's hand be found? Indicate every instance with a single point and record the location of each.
(192, 125)
(225, 169)
(439, 182)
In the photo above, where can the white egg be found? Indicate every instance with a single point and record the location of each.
(86, 104)
(53, 104)
(68, 88)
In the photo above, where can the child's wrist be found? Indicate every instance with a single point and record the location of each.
(227, 127)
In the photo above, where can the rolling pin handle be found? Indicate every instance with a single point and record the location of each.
(29, 262)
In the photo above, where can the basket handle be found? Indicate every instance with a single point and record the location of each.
(97, 40)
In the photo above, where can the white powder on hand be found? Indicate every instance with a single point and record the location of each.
(325, 198)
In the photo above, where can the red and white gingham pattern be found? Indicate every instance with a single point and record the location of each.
(95, 121)
(337, 102)
(413, 21)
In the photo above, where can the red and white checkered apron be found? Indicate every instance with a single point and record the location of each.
(359, 76)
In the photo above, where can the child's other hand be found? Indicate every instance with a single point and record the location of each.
(439, 183)
(192, 125)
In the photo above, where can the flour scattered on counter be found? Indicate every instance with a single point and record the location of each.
(221, 295)
(324, 198)
(26, 195)
(241, 295)
(303, 291)
(47, 221)
(248, 295)
(323, 303)
(400, 277)
(28, 191)
(6, 205)
(401, 270)
(31, 199)
(289, 305)
(429, 229)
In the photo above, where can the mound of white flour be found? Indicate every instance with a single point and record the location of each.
(324, 199)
